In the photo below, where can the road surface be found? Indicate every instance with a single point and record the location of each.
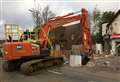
(57, 74)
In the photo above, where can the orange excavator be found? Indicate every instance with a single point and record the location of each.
(31, 57)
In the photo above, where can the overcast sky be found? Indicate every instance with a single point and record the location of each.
(16, 11)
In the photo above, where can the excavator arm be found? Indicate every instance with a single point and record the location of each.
(69, 18)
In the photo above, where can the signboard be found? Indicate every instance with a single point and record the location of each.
(115, 36)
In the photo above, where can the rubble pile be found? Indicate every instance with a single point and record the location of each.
(111, 64)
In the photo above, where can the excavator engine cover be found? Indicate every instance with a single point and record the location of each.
(17, 50)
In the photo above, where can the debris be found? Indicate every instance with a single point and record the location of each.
(103, 63)
(55, 72)
(107, 63)
(90, 64)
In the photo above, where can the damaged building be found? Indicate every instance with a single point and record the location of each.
(66, 36)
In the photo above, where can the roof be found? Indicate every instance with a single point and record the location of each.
(116, 15)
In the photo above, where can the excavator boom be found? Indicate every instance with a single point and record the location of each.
(69, 18)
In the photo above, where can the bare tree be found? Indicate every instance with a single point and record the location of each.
(37, 16)
(47, 14)
(41, 16)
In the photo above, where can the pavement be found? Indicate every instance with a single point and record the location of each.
(64, 73)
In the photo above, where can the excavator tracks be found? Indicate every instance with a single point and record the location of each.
(10, 66)
(32, 66)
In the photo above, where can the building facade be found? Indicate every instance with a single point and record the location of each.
(13, 30)
(106, 39)
(114, 32)
(67, 36)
